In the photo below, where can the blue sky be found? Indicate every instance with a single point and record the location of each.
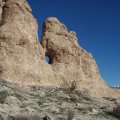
(97, 24)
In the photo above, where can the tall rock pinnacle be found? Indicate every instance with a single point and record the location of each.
(22, 56)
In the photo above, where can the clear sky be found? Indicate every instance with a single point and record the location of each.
(97, 24)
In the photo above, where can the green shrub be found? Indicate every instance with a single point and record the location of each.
(103, 114)
(62, 110)
(3, 95)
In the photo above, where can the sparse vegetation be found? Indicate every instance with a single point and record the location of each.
(40, 101)
(103, 114)
(85, 94)
(1, 118)
(62, 110)
(55, 102)
(3, 95)
(116, 111)
(73, 86)
(24, 117)
(83, 110)
(18, 96)
(71, 115)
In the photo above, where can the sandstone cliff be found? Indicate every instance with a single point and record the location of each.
(22, 56)
(20, 52)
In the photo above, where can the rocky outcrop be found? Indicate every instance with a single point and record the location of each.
(22, 56)
(0, 9)
(20, 52)
(69, 61)
(1, 5)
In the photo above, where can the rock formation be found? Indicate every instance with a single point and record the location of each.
(1, 5)
(69, 61)
(20, 52)
(22, 56)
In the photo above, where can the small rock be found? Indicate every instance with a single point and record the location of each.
(94, 111)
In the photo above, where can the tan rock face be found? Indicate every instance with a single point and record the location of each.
(1, 5)
(68, 60)
(20, 52)
(22, 56)
(0, 9)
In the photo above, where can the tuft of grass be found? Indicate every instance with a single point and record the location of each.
(107, 114)
(71, 115)
(3, 95)
(11, 118)
(116, 111)
(1, 118)
(84, 111)
(40, 101)
(20, 97)
(62, 110)
(104, 114)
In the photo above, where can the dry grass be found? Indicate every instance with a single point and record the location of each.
(22, 117)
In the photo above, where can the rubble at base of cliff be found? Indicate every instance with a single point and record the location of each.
(18, 102)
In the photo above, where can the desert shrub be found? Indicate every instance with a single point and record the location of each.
(1, 118)
(79, 94)
(72, 91)
(73, 86)
(18, 96)
(3, 95)
(104, 114)
(70, 86)
(62, 110)
(85, 94)
(24, 117)
(116, 111)
(71, 115)
(41, 101)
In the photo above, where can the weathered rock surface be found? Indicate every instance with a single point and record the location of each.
(1, 5)
(69, 61)
(22, 56)
(20, 52)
